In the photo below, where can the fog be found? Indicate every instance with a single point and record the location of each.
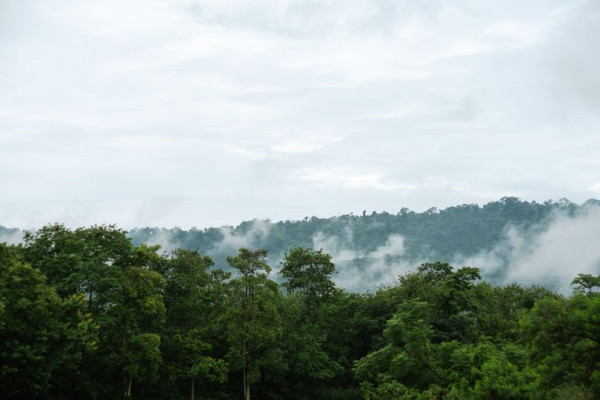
(363, 270)
(11, 236)
(233, 240)
(551, 253)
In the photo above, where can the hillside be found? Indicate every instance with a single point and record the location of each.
(373, 249)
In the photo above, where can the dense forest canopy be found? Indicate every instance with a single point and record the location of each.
(90, 313)
(86, 314)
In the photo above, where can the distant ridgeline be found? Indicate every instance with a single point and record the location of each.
(375, 247)
(376, 241)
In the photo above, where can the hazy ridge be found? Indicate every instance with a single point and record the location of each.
(509, 240)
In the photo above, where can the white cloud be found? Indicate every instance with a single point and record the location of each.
(296, 147)
(516, 35)
(551, 253)
(595, 189)
(250, 109)
(364, 270)
(11, 237)
(352, 180)
(233, 241)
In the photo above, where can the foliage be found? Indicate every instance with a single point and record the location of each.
(40, 334)
(253, 320)
(85, 313)
(435, 234)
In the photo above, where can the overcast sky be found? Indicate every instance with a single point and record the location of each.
(205, 113)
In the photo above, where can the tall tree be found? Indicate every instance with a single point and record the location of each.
(79, 261)
(39, 333)
(309, 287)
(253, 320)
(130, 333)
(308, 272)
(563, 335)
(193, 300)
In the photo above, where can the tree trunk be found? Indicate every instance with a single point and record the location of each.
(246, 387)
(129, 383)
(244, 381)
(193, 394)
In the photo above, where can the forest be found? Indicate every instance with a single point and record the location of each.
(434, 233)
(372, 248)
(88, 313)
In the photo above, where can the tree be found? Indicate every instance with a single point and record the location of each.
(564, 341)
(193, 300)
(586, 283)
(39, 333)
(131, 325)
(308, 272)
(309, 366)
(253, 321)
(80, 261)
(451, 294)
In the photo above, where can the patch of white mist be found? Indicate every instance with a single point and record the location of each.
(360, 270)
(11, 236)
(334, 246)
(165, 239)
(234, 239)
(551, 253)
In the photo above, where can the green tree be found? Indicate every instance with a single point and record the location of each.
(563, 336)
(130, 333)
(309, 366)
(451, 295)
(308, 272)
(586, 283)
(252, 316)
(194, 299)
(80, 261)
(40, 334)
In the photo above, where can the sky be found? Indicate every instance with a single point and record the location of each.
(207, 113)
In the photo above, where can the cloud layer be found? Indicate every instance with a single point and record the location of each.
(551, 253)
(206, 113)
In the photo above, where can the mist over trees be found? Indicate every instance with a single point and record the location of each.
(88, 313)
(509, 240)
(371, 249)
(258, 310)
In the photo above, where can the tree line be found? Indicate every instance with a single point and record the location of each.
(85, 313)
(439, 234)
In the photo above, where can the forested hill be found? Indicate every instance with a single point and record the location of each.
(465, 229)
(371, 249)
(86, 314)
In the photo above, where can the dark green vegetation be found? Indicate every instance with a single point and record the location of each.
(87, 314)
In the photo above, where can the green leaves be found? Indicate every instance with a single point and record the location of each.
(586, 283)
(110, 313)
(194, 301)
(40, 334)
(432, 346)
(252, 317)
(309, 272)
(142, 357)
(564, 341)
